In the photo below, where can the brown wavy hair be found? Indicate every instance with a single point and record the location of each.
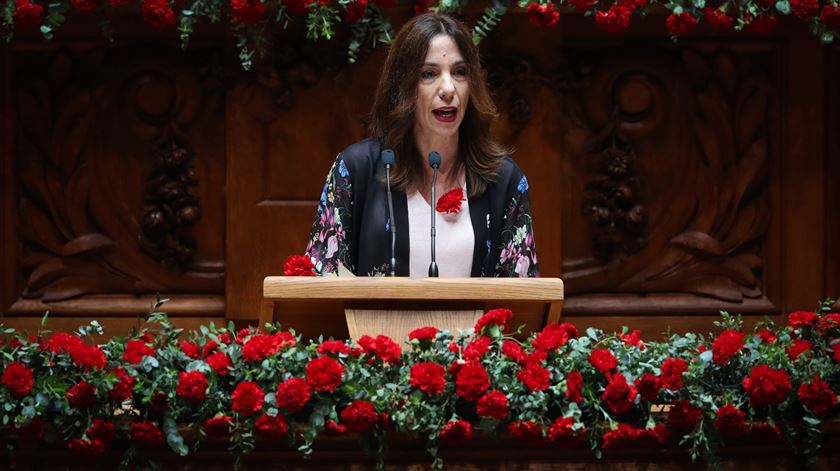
(393, 115)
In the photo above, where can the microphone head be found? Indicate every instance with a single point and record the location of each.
(434, 159)
(387, 157)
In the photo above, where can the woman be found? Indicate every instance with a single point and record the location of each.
(431, 97)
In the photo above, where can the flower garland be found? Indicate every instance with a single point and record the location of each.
(557, 388)
(370, 26)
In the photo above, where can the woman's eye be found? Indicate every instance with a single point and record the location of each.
(427, 75)
(460, 72)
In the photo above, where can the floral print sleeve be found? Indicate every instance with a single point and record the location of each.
(518, 256)
(329, 242)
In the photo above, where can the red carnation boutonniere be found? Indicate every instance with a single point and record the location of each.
(298, 265)
(450, 202)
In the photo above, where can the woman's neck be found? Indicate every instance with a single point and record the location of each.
(447, 147)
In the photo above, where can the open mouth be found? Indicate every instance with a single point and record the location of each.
(446, 114)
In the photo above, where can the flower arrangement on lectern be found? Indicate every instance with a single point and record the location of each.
(369, 21)
(557, 388)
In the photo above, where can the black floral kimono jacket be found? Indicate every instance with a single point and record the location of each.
(352, 224)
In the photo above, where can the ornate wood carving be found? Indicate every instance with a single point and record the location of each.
(699, 150)
(89, 126)
(171, 208)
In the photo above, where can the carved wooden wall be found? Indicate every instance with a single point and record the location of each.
(668, 181)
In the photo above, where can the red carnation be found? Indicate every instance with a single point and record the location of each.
(247, 12)
(190, 349)
(356, 10)
(247, 398)
(334, 347)
(218, 426)
(61, 342)
(762, 23)
(324, 374)
(683, 417)
(652, 437)
(359, 416)
(456, 432)
(817, 396)
(493, 405)
(192, 386)
(87, 446)
(618, 395)
(683, 23)
(298, 7)
(17, 378)
(603, 360)
(804, 9)
(271, 428)
(260, 347)
(830, 15)
(450, 202)
(727, 345)
(766, 336)
(797, 348)
(543, 15)
(472, 382)
(333, 428)
(528, 432)
(633, 4)
(718, 19)
(765, 432)
(562, 432)
(383, 347)
(88, 356)
(159, 402)
(476, 349)
(101, 430)
(293, 394)
(672, 373)
(512, 350)
(34, 430)
(298, 265)
(428, 377)
(423, 333)
(552, 337)
(574, 386)
(633, 338)
(158, 13)
(617, 18)
(209, 348)
(829, 321)
(534, 377)
(835, 347)
(802, 319)
(621, 437)
(220, 362)
(146, 433)
(766, 386)
(571, 330)
(27, 13)
(121, 390)
(135, 350)
(83, 6)
(82, 395)
(497, 317)
(731, 422)
(582, 4)
(648, 385)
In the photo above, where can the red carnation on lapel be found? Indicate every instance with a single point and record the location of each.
(450, 203)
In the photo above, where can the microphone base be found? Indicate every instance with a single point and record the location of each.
(433, 270)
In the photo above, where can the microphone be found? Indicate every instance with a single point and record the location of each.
(388, 161)
(434, 162)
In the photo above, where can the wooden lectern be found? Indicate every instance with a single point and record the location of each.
(396, 306)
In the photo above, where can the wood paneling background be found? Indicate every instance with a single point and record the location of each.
(669, 181)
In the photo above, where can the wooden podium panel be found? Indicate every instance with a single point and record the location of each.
(395, 306)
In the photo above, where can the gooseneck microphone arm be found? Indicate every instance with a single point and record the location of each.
(434, 162)
(388, 161)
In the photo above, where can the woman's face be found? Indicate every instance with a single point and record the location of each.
(443, 91)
